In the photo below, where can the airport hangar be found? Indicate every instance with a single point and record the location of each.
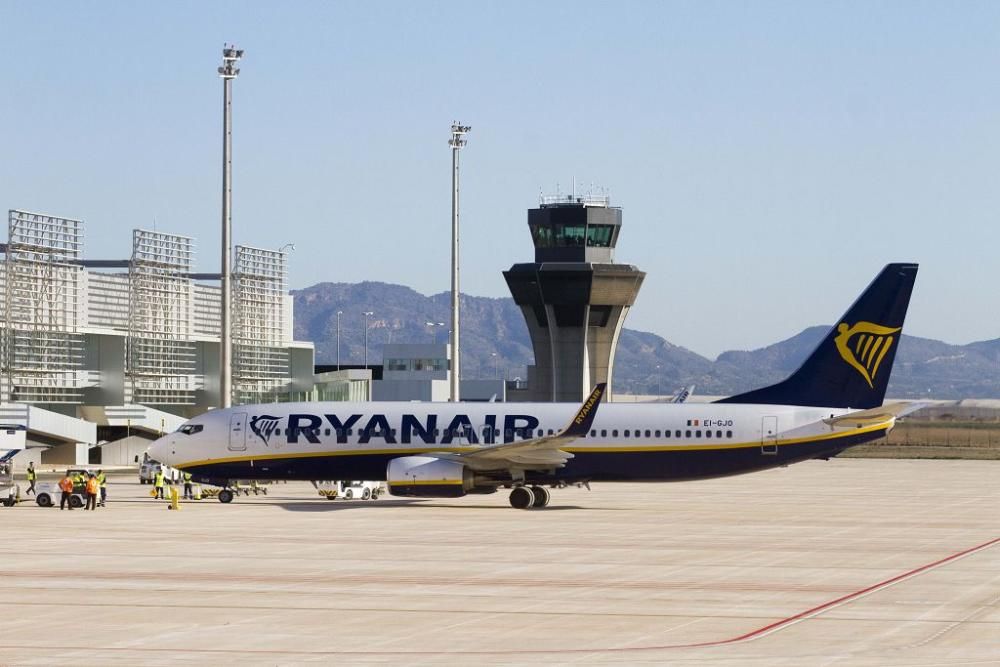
(99, 356)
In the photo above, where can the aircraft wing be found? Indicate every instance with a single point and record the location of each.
(884, 413)
(536, 453)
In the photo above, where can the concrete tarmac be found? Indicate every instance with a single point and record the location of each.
(845, 562)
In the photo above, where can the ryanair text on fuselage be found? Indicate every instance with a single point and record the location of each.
(409, 428)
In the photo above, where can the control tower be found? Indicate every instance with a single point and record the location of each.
(574, 297)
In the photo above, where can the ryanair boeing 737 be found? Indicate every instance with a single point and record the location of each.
(832, 402)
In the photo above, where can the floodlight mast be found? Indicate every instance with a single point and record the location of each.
(229, 71)
(458, 132)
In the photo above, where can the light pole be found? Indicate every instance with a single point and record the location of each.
(368, 314)
(230, 57)
(339, 313)
(456, 142)
(496, 368)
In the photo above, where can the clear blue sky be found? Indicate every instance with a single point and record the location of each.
(769, 157)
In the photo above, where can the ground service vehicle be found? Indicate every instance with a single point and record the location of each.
(9, 490)
(49, 493)
(149, 467)
(350, 489)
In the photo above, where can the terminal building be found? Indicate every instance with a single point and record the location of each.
(100, 349)
(574, 297)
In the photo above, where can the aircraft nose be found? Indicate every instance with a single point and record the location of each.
(162, 450)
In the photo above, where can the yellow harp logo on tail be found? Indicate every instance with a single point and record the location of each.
(863, 346)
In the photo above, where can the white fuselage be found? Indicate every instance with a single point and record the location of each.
(272, 439)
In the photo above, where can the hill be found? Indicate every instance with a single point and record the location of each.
(645, 362)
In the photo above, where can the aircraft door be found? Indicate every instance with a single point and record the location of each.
(238, 432)
(769, 435)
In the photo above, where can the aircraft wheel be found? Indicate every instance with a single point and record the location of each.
(521, 498)
(225, 496)
(542, 496)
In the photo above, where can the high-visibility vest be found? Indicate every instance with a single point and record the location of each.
(187, 477)
(92, 485)
(66, 484)
(102, 479)
(158, 480)
(32, 475)
(78, 478)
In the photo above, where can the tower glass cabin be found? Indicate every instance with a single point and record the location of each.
(574, 297)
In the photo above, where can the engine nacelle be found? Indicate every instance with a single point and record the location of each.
(428, 477)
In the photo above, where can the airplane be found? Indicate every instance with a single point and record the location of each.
(832, 402)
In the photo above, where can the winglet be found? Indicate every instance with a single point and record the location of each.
(585, 415)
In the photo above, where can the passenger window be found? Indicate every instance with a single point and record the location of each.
(687, 434)
(708, 434)
(697, 434)
(647, 432)
(326, 432)
(657, 433)
(508, 433)
(593, 433)
(677, 434)
(551, 432)
(729, 434)
(666, 433)
(627, 432)
(614, 433)
(718, 434)
(604, 432)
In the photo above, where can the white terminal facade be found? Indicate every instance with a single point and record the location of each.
(134, 342)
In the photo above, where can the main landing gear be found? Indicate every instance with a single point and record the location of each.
(526, 497)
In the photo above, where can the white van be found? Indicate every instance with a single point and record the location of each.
(149, 467)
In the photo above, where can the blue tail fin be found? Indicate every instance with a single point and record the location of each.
(850, 367)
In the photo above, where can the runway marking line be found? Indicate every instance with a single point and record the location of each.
(764, 631)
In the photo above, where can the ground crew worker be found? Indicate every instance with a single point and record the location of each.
(66, 486)
(79, 479)
(102, 480)
(92, 487)
(158, 484)
(187, 487)
(32, 476)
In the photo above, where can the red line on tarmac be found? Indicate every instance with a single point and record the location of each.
(749, 636)
(815, 611)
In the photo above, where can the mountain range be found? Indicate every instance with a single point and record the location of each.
(644, 364)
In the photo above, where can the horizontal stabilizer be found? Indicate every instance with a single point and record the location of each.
(875, 415)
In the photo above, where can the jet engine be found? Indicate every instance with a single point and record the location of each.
(431, 477)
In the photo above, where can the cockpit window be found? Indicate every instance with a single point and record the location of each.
(191, 429)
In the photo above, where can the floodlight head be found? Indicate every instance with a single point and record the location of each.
(458, 131)
(230, 56)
